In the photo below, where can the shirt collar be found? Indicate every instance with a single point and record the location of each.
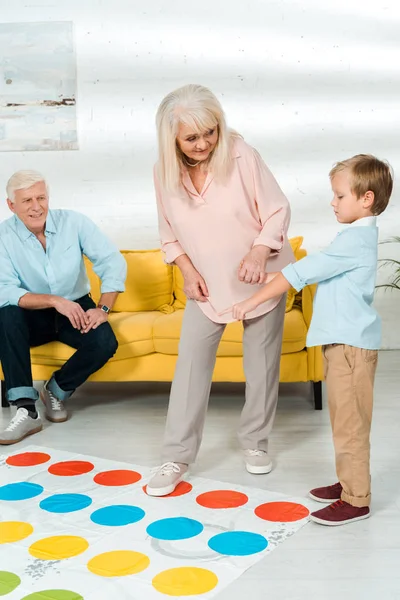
(24, 232)
(50, 225)
(364, 222)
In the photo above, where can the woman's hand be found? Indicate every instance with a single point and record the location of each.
(195, 287)
(240, 310)
(252, 267)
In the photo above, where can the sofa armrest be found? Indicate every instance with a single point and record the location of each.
(307, 297)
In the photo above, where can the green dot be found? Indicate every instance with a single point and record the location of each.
(54, 595)
(8, 582)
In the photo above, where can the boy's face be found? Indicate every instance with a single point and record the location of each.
(348, 208)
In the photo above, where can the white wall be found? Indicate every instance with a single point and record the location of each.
(306, 82)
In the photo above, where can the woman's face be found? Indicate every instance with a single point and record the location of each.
(196, 146)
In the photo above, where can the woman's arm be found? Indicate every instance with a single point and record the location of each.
(169, 244)
(272, 205)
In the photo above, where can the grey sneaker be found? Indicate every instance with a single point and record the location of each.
(257, 462)
(55, 410)
(20, 426)
(166, 478)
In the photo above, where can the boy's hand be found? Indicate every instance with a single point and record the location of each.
(240, 310)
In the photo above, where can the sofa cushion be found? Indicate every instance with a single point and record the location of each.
(167, 330)
(178, 283)
(148, 283)
(134, 333)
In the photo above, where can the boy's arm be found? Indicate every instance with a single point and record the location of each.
(340, 257)
(278, 286)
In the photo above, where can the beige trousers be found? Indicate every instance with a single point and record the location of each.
(350, 374)
(190, 391)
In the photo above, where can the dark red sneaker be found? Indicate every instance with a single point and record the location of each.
(329, 493)
(339, 513)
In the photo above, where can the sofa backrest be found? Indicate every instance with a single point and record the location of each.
(148, 284)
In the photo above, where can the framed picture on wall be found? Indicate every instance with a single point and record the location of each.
(37, 87)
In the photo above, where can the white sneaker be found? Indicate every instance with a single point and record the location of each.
(257, 462)
(20, 426)
(166, 478)
(55, 409)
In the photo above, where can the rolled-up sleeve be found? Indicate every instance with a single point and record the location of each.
(272, 204)
(340, 257)
(108, 262)
(169, 244)
(11, 289)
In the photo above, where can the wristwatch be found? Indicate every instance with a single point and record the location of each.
(104, 308)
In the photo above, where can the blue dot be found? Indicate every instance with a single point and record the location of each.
(177, 528)
(65, 503)
(20, 491)
(238, 543)
(117, 515)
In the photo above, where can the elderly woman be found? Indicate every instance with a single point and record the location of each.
(223, 221)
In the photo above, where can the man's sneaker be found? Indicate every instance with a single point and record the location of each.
(329, 493)
(339, 513)
(55, 410)
(257, 462)
(20, 426)
(166, 478)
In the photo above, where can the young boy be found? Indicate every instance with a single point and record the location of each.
(347, 327)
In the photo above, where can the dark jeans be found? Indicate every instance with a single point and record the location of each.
(21, 329)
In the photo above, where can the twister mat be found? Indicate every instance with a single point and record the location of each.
(76, 527)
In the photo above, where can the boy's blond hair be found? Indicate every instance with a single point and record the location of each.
(368, 173)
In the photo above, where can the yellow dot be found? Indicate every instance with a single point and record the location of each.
(185, 581)
(118, 563)
(14, 531)
(58, 547)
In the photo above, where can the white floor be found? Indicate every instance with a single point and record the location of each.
(359, 561)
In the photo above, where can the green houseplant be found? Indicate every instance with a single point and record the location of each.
(394, 265)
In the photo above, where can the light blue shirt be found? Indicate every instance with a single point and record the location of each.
(346, 273)
(60, 270)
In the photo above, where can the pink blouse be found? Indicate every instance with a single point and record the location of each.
(219, 226)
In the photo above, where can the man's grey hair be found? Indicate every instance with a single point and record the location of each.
(22, 180)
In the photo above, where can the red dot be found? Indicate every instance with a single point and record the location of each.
(181, 489)
(117, 477)
(69, 468)
(222, 499)
(28, 459)
(282, 512)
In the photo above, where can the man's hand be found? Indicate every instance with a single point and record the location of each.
(73, 311)
(194, 287)
(252, 267)
(95, 317)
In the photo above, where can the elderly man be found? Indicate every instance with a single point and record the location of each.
(44, 296)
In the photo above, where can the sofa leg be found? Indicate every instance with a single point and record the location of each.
(4, 401)
(317, 387)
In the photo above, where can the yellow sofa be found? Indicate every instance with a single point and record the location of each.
(147, 320)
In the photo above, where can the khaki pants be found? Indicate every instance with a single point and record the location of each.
(190, 390)
(350, 374)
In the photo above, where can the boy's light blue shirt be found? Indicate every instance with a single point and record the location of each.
(346, 273)
(60, 270)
